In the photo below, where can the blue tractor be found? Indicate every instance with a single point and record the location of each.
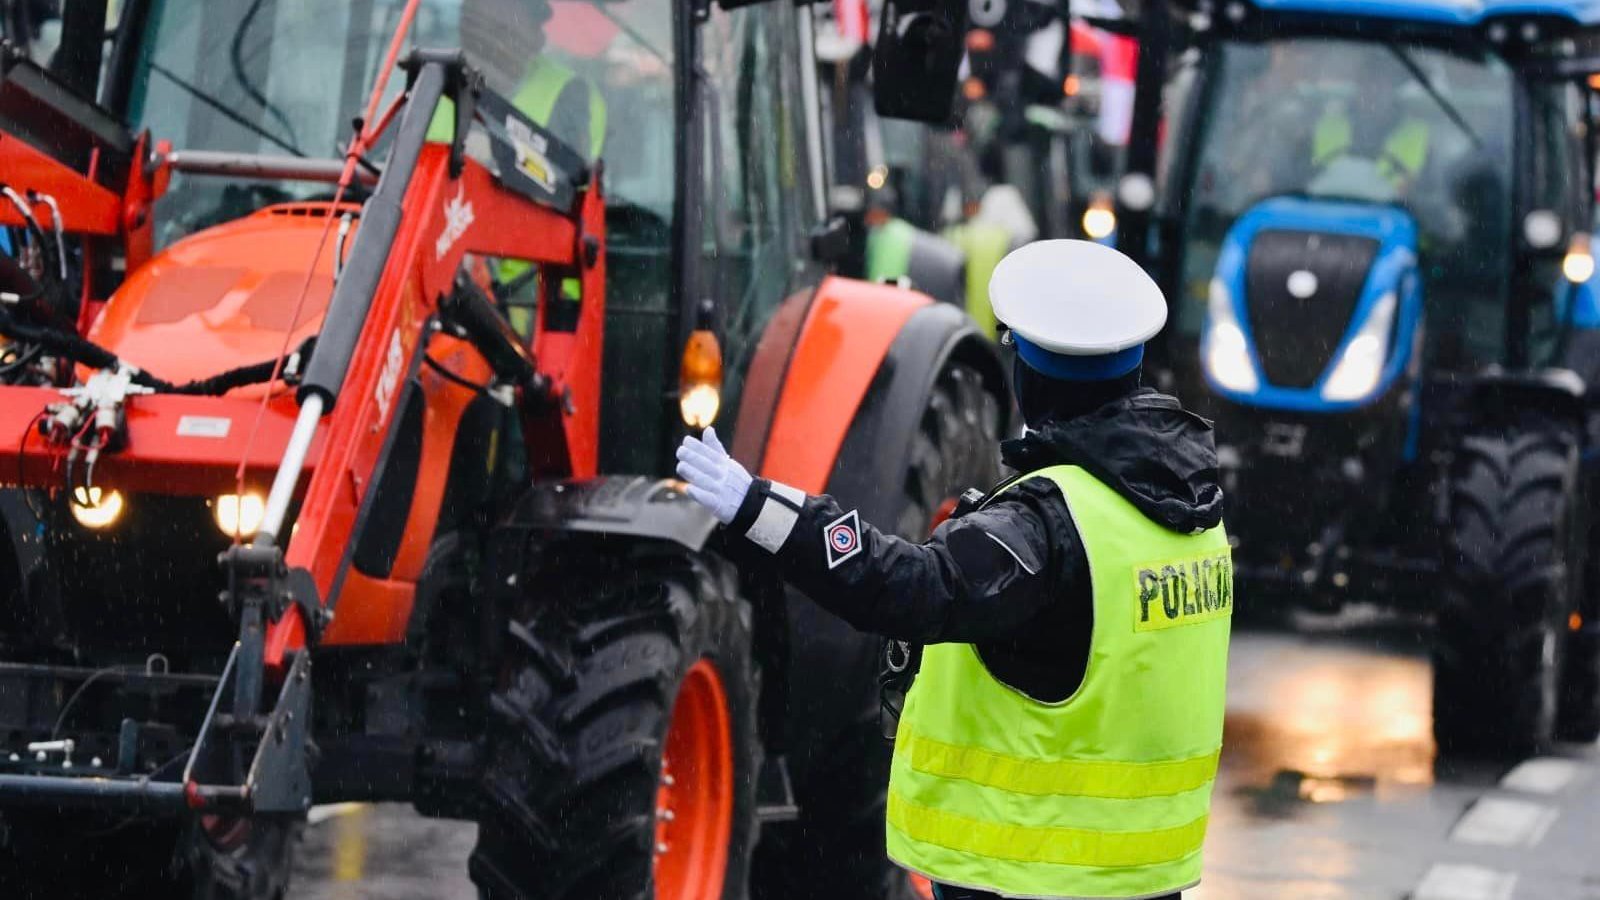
(1373, 221)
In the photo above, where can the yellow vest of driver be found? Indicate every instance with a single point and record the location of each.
(1105, 794)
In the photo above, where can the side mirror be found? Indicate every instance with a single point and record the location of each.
(917, 58)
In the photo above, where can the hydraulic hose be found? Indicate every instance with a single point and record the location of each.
(369, 252)
(82, 350)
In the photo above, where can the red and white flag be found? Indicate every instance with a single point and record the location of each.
(853, 19)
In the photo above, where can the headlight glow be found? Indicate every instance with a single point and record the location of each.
(1360, 365)
(96, 509)
(699, 405)
(1099, 222)
(1578, 264)
(1227, 353)
(1578, 267)
(239, 516)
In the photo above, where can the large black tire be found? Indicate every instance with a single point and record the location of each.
(1510, 576)
(578, 722)
(836, 848)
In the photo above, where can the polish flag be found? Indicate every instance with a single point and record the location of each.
(1119, 59)
(853, 19)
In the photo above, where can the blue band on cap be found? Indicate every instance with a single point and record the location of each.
(1078, 368)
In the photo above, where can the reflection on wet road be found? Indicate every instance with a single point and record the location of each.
(1317, 719)
(1328, 790)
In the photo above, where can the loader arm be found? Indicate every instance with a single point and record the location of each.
(405, 290)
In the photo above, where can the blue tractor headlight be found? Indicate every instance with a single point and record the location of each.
(1360, 364)
(1226, 351)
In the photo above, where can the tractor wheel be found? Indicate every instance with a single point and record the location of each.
(622, 753)
(1510, 576)
(836, 847)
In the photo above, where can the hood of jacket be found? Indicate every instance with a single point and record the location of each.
(1159, 456)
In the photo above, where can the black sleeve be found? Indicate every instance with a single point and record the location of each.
(979, 577)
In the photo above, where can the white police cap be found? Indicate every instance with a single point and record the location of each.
(1076, 309)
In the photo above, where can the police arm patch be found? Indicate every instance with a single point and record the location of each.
(842, 538)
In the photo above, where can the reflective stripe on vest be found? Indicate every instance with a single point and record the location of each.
(1107, 793)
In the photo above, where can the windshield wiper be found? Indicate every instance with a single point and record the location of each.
(221, 107)
(1449, 108)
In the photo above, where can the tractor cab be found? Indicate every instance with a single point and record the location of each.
(1373, 228)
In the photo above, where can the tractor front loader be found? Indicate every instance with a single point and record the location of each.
(339, 478)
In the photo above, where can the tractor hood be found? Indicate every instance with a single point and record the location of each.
(223, 297)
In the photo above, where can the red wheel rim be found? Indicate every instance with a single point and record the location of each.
(922, 886)
(694, 799)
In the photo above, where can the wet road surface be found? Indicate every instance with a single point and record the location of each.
(1328, 790)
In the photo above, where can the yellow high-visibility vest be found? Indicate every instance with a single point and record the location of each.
(1107, 793)
(1404, 152)
(536, 98)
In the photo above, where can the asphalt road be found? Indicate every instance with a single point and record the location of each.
(1329, 790)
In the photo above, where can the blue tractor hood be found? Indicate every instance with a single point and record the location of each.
(1316, 305)
(1463, 13)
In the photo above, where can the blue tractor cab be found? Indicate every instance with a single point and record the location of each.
(1373, 223)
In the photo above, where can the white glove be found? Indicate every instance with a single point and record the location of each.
(716, 481)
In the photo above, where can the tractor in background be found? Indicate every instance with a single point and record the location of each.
(1373, 224)
(333, 454)
(888, 178)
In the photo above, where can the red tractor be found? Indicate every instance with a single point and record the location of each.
(332, 457)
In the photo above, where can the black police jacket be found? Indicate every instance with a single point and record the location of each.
(1011, 577)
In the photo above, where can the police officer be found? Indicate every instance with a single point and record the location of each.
(1061, 737)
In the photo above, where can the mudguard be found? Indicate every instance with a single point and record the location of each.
(846, 332)
(1497, 396)
(844, 373)
(871, 462)
(633, 506)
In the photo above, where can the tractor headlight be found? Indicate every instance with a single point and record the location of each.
(94, 508)
(700, 374)
(1360, 364)
(239, 515)
(1099, 220)
(1578, 264)
(1226, 352)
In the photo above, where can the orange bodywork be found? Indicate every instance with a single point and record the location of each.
(226, 297)
(846, 335)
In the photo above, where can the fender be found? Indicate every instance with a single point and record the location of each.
(1497, 396)
(871, 462)
(627, 505)
(846, 334)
